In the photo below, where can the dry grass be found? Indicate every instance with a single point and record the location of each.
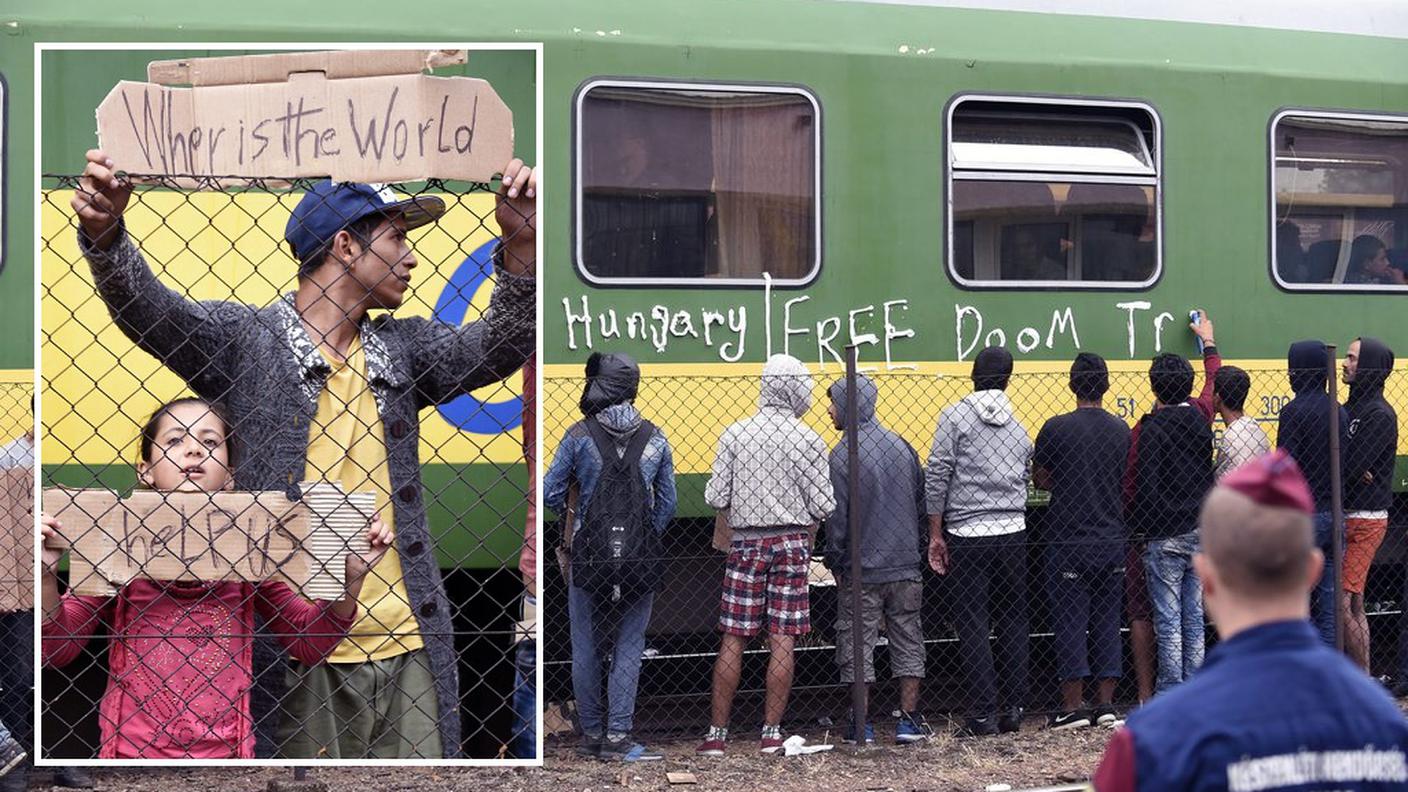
(1033, 758)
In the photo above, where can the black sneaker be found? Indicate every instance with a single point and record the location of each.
(1010, 721)
(1075, 719)
(624, 749)
(1104, 715)
(589, 746)
(977, 727)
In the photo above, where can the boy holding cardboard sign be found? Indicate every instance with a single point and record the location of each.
(321, 391)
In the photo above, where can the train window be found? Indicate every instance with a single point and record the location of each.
(682, 183)
(1053, 193)
(1340, 187)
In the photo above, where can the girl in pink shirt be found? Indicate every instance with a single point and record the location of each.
(180, 659)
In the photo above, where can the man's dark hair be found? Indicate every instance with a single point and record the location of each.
(1171, 378)
(1090, 377)
(992, 368)
(1232, 385)
(361, 230)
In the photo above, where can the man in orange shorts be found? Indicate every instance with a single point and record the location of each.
(1368, 471)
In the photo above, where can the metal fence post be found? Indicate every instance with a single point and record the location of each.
(858, 691)
(1336, 496)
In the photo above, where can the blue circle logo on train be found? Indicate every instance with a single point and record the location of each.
(467, 413)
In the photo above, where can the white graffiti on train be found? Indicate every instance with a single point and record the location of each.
(662, 324)
(725, 330)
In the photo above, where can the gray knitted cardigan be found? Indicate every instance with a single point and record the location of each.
(262, 366)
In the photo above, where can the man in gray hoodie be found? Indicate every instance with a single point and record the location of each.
(770, 478)
(890, 508)
(976, 489)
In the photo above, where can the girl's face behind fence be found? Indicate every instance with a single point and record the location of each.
(190, 453)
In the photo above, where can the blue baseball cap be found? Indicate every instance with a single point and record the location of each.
(331, 206)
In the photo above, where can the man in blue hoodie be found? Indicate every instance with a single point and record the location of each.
(976, 497)
(890, 508)
(598, 622)
(1304, 431)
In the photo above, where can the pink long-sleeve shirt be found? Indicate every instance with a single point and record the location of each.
(180, 659)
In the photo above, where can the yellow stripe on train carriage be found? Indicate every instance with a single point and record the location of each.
(16, 388)
(99, 386)
(694, 402)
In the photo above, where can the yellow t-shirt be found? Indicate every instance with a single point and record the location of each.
(346, 445)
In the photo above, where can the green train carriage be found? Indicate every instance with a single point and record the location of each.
(924, 179)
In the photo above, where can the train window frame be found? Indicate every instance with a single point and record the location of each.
(1272, 126)
(1080, 109)
(691, 85)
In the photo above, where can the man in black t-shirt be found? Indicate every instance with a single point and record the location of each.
(1080, 459)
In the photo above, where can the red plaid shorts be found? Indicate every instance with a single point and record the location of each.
(771, 573)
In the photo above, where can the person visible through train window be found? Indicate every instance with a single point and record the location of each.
(1079, 458)
(1242, 439)
(610, 613)
(1370, 451)
(890, 508)
(320, 390)
(1273, 709)
(1172, 474)
(976, 497)
(770, 477)
(1303, 430)
(1369, 264)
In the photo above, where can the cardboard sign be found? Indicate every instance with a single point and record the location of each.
(296, 115)
(246, 536)
(16, 539)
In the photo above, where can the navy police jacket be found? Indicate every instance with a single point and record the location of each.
(1271, 709)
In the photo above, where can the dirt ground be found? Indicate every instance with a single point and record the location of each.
(1034, 758)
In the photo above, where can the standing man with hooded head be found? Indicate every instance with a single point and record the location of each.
(1303, 430)
(890, 509)
(1368, 473)
(976, 492)
(609, 620)
(770, 476)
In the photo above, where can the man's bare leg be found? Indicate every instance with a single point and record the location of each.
(1105, 692)
(909, 694)
(728, 668)
(779, 684)
(1356, 629)
(1072, 691)
(1141, 635)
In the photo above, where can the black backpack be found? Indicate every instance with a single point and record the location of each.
(616, 552)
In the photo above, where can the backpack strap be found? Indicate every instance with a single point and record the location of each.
(606, 447)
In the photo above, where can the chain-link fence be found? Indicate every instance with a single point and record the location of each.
(16, 564)
(1025, 550)
(248, 392)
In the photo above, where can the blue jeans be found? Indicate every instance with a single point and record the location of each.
(600, 626)
(1322, 598)
(524, 742)
(1178, 607)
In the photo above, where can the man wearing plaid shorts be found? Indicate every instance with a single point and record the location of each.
(770, 476)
